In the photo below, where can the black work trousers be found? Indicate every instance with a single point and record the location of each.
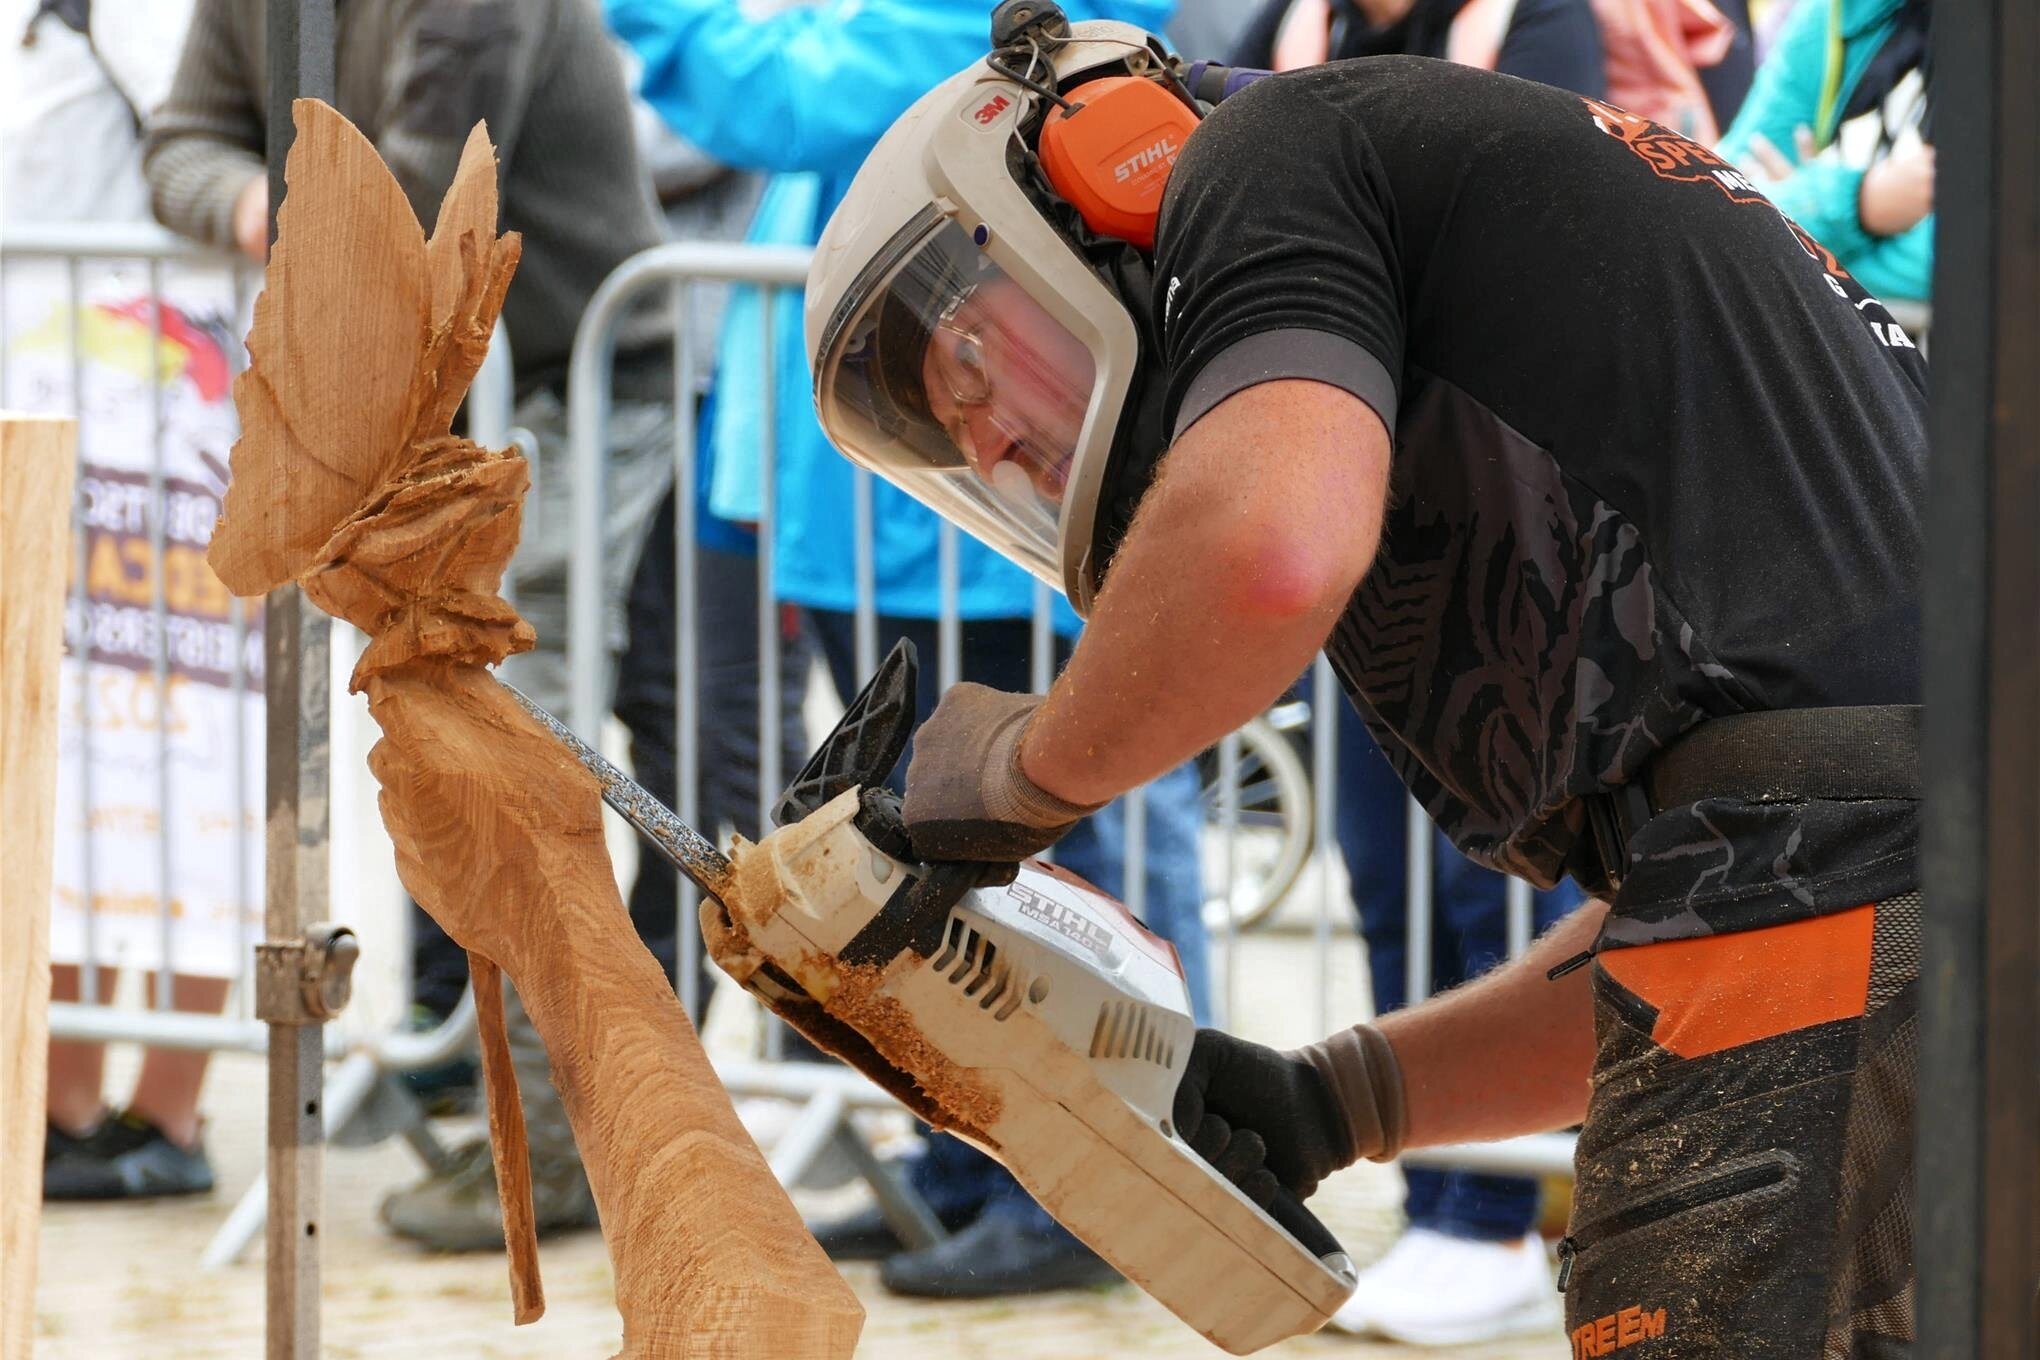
(1745, 1170)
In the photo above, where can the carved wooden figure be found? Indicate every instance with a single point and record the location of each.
(347, 480)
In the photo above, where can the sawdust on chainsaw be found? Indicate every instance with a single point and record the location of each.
(970, 1104)
(856, 1021)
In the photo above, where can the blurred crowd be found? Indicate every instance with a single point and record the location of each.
(623, 124)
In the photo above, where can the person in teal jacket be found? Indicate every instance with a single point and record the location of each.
(804, 94)
(1835, 130)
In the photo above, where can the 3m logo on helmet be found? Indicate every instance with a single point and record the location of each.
(991, 109)
(1161, 153)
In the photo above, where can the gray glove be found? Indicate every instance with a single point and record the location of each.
(967, 798)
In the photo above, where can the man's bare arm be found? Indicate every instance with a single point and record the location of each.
(1262, 520)
(1507, 1054)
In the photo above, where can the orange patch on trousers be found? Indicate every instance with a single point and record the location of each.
(1722, 991)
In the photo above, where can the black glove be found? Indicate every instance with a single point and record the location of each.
(1263, 1118)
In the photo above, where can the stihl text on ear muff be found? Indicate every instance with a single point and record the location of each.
(1108, 144)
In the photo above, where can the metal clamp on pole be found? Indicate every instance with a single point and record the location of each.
(307, 981)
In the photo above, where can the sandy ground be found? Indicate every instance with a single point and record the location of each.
(123, 1280)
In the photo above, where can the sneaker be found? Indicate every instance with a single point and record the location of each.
(456, 1209)
(126, 1157)
(59, 1141)
(1433, 1289)
(996, 1257)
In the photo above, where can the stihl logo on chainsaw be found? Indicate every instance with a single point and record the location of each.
(1163, 152)
(1063, 920)
(991, 109)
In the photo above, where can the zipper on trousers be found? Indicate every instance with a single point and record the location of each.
(1728, 1185)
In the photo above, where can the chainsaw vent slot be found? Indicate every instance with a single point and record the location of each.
(973, 963)
(1128, 1029)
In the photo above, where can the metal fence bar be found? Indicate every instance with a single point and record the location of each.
(588, 414)
(1324, 701)
(769, 774)
(160, 662)
(1417, 904)
(1520, 926)
(949, 628)
(686, 638)
(864, 526)
(88, 985)
(1229, 830)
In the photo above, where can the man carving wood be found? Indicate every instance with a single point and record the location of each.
(347, 479)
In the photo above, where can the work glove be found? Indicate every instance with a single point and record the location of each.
(1269, 1119)
(967, 798)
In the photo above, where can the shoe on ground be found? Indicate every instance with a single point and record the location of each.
(456, 1209)
(126, 1157)
(59, 1141)
(1433, 1289)
(995, 1257)
(866, 1236)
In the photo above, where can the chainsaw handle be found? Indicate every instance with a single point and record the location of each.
(1303, 1225)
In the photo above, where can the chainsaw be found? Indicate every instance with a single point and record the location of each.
(1022, 1010)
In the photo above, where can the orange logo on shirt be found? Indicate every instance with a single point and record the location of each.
(1617, 1331)
(1671, 156)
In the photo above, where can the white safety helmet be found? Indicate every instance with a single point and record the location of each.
(963, 346)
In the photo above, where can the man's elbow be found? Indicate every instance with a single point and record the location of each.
(1277, 576)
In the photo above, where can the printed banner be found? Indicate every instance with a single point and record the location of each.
(160, 775)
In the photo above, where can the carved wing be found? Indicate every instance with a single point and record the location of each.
(341, 324)
(364, 343)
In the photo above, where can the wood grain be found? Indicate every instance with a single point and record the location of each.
(36, 467)
(508, 1145)
(348, 480)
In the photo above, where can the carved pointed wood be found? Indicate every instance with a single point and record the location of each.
(347, 480)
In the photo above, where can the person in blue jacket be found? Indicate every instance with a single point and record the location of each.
(804, 94)
(1836, 131)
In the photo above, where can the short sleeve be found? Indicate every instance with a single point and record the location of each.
(1276, 254)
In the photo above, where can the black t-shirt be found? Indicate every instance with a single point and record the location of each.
(1658, 457)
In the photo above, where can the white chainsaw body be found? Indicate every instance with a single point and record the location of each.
(1047, 994)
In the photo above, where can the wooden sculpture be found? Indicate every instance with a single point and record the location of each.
(347, 480)
(37, 457)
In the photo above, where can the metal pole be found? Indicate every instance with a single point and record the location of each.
(1417, 904)
(686, 644)
(863, 527)
(1324, 702)
(949, 626)
(1978, 1254)
(296, 641)
(769, 775)
(1521, 925)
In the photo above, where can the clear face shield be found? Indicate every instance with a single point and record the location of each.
(948, 379)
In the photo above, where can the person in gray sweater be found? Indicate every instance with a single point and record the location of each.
(415, 76)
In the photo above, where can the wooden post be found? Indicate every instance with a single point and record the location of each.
(36, 468)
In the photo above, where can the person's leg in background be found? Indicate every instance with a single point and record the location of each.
(726, 665)
(1468, 1266)
(1471, 1267)
(150, 1147)
(455, 1208)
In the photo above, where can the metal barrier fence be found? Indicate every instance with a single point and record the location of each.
(102, 289)
(1288, 757)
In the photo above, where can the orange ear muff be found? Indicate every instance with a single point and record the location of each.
(1110, 153)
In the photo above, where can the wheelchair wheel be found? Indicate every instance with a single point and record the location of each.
(1274, 827)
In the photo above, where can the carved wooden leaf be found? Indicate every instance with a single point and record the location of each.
(329, 394)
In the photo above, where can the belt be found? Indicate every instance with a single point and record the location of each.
(1781, 756)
